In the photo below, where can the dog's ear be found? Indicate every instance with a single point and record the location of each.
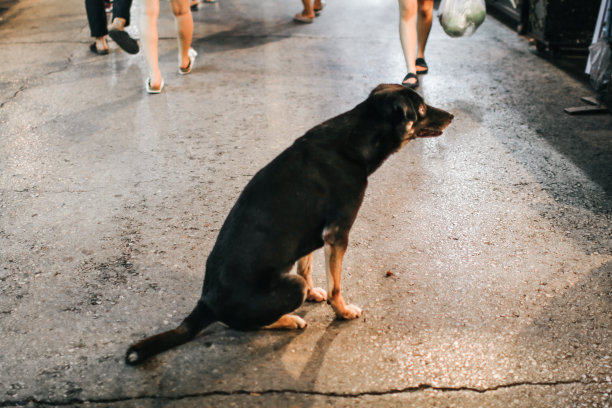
(392, 103)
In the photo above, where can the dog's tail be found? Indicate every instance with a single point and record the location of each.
(197, 320)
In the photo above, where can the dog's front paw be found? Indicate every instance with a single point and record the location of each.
(349, 312)
(316, 295)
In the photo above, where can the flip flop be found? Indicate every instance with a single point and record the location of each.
(408, 76)
(192, 56)
(420, 63)
(123, 39)
(151, 90)
(318, 11)
(302, 19)
(93, 48)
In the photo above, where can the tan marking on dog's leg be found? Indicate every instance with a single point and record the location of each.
(304, 269)
(333, 267)
(288, 322)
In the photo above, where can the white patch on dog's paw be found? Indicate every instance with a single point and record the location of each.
(350, 312)
(298, 322)
(288, 322)
(317, 295)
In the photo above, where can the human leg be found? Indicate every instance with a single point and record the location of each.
(408, 38)
(184, 28)
(96, 17)
(121, 13)
(149, 41)
(424, 21)
(121, 19)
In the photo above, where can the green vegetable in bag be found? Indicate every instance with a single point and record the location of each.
(475, 13)
(461, 17)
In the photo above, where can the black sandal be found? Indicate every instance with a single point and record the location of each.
(420, 63)
(408, 76)
(93, 48)
(123, 40)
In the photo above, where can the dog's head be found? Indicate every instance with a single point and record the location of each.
(406, 111)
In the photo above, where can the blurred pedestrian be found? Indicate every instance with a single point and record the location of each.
(414, 26)
(310, 11)
(96, 16)
(149, 39)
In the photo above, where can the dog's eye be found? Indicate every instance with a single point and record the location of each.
(422, 110)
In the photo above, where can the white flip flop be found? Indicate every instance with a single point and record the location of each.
(151, 90)
(192, 56)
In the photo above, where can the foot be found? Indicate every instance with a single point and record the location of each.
(421, 66)
(154, 87)
(123, 40)
(304, 18)
(319, 6)
(316, 295)
(186, 68)
(118, 23)
(99, 47)
(288, 322)
(344, 311)
(349, 312)
(410, 80)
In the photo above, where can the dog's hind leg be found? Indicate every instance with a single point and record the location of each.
(304, 269)
(288, 321)
(291, 321)
(268, 307)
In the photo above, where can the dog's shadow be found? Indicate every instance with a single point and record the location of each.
(222, 361)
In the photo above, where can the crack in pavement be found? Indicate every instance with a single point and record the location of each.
(67, 64)
(413, 389)
(11, 98)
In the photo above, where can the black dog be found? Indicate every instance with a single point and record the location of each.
(306, 198)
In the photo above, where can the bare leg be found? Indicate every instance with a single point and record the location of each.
(149, 40)
(424, 20)
(304, 269)
(408, 35)
(184, 28)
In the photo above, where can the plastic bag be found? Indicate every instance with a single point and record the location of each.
(460, 18)
(600, 57)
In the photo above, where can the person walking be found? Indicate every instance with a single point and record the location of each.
(149, 40)
(96, 17)
(415, 22)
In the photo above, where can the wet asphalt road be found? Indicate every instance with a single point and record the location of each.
(497, 234)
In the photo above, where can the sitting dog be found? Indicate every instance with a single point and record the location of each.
(305, 199)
